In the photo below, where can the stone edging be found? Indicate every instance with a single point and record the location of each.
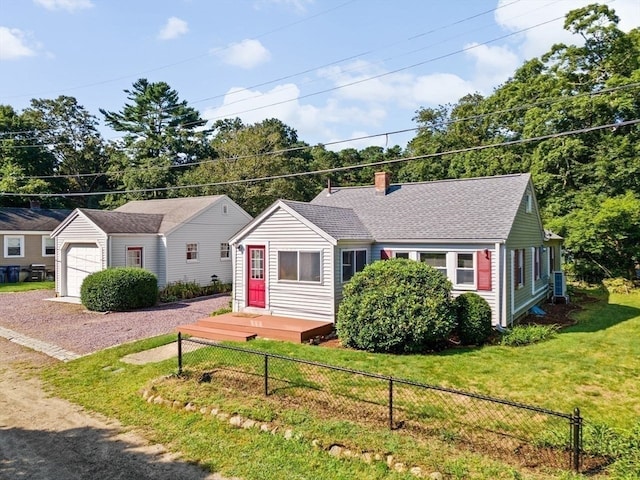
(335, 450)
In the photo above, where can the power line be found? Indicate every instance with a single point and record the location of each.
(189, 59)
(338, 169)
(315, 68)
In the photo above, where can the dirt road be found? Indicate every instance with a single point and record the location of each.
(44, 438)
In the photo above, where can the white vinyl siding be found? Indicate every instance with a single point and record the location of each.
(78, 231)
(308, 300)
(209, 229)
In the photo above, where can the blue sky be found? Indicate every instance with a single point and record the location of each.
(332, 69)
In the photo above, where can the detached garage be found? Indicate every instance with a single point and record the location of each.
(177, 239)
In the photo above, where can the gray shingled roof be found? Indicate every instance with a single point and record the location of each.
(174, 211)
(458, 210)
(340, 223)
(31, 219)
(120, 222)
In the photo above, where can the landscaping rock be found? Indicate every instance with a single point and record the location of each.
(436, 476)
(335, 450)
(236, 421)
(249, 424)
(288, 434)
(416, 472)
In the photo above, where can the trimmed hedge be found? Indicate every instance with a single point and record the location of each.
(119, 289)
(398, 306)
(474, 319)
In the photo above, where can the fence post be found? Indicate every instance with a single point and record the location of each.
(266, 375)
(390, 403)
(576, 434)
(179, 353)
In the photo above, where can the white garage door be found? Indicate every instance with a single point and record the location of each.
(82, 260)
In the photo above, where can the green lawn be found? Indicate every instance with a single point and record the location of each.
(592, 365)
(25, 286)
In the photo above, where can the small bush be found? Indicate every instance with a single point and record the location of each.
(398, 306)
(474, 319)
(187, 290)
(618, 285)
(119, 289)
(527, 334)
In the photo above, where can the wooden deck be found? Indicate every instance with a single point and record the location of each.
(242, 327)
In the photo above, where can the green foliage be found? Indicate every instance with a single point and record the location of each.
(186, 290)
(568, 88)
(522, 335)
(622, 447)
(474, 319)
(603, 236)
(398, 306)
(119, 289)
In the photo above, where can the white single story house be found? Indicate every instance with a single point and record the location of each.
(178, 239)
(485, 234)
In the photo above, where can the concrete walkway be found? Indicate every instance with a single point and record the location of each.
(33, 343)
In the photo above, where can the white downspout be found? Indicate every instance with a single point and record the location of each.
(505, 316)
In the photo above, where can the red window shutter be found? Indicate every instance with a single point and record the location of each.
(483, 259)
(385, 254)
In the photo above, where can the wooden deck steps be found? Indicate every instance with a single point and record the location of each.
(244, 327)
(208, 333)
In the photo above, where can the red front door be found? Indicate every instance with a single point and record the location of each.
(256, 277)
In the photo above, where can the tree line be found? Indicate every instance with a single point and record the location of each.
(588, 185)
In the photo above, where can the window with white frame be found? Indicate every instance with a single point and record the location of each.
(14, 246)
(134, 257)
(224, 251)
(518, 267)
(353, 261)
(437, 260)
(537, 263)
(528, 202)
(401, 255)
(192, 252)
(299, 266)
(465, 269)
(48, 246)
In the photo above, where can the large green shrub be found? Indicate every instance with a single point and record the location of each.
(474, 319)
(119, 289)
(396, 306)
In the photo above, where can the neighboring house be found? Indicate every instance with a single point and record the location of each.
(178, 239)
(485, 234)
(25, 237)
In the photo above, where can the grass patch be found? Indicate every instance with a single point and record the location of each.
(25, 286)
(592, 365)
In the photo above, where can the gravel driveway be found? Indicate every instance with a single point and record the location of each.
(74, 328)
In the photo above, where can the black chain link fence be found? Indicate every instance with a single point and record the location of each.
(508, 430)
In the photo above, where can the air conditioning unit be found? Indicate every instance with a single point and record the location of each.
(560, 286)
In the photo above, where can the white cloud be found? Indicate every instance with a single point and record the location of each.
(514, 16)
(174, 28)
(68, 5)
(399, 89)
(246, 54)
(493, 65)
(13, 44)
(282, 102)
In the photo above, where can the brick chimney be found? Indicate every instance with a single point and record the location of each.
(382, 183)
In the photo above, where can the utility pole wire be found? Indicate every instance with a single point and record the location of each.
(337, 169)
